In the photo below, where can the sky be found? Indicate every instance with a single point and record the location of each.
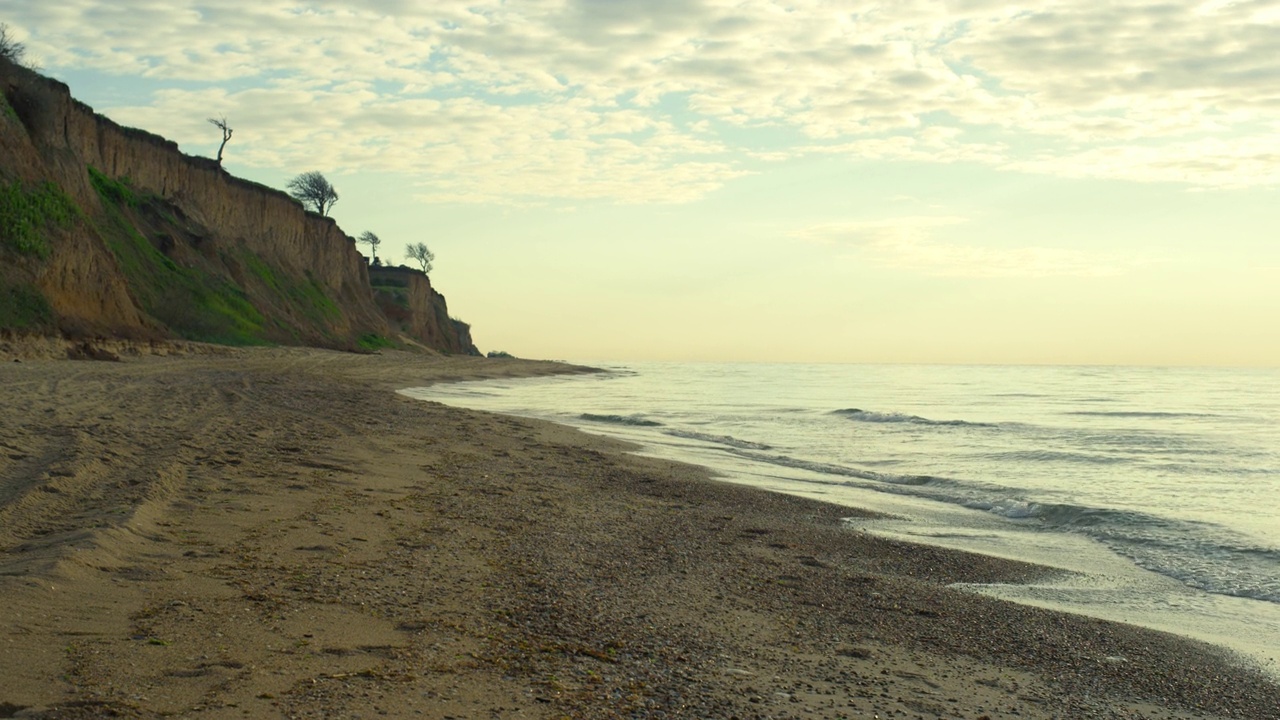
(973, 181)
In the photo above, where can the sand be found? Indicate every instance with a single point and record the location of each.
(277, 533)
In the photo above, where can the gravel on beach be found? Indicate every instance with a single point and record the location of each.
(276, 533)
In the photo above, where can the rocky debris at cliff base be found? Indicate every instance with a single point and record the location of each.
(33, 347)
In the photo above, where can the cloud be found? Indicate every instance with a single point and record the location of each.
(631, 101)
(1204, 162)
(459, 149)
(908, 229)
(908, 243)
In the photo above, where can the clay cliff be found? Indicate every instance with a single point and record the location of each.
(107, 231)
(406, 298)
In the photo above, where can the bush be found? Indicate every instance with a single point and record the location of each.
(10, 48)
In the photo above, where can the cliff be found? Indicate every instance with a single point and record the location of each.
(107, 231)
(408, 301)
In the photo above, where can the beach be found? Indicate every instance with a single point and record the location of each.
(277, 533)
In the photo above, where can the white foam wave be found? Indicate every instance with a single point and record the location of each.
(727, 440)
(891, 417)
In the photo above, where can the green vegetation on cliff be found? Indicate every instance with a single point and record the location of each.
(303, 297)
(23, 307)
(8, 109)
(372, 342)
(193, 303)
(26, 216)
(117, 192)
(108, 231)
(195, 299)
(27, 220)
(391, 290)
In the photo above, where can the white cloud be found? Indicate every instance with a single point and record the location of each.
(908, 243)
(601, 99)
(1204, 162)
(881, 232)
(461, 149)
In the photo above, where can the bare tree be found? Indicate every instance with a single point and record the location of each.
(312, 189)
(373, 241)
(419, 252)
(221, 124)
(10, 48)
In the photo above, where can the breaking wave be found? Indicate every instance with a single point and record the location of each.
(726, 440)
(879, 417)
(633, 420)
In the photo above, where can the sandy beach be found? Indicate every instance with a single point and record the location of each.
(276, 533)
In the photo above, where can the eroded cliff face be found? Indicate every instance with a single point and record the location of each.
(163, 244)
(77, 275)
(406, 298)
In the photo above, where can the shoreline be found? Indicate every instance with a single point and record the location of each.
(1102, 581)
(280, 533)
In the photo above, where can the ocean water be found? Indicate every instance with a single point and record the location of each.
(1157, 488)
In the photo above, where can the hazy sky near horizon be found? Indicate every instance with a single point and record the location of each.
(908, 181)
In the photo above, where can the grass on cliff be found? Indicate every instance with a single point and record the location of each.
(26, 216)
(117, 192)
(8, 109)
(310, 296)
(397, 294)
(373, 342)
(304, 297)
(24, 307)
(193, 303)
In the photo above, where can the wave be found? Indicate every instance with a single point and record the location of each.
(1052, 456)
(727, 440)
(879, 417)
(1201, 555)
(839, 470)
(632, 420)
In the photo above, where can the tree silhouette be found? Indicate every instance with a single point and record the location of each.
(221, 124)
(373, 241)
(10, 48)
(419, 252)
(311, 188)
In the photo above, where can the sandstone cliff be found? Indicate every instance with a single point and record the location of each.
(406, 298)
(112, 231)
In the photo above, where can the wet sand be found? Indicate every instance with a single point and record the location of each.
(277, 533)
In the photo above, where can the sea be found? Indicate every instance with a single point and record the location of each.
(1156, 489)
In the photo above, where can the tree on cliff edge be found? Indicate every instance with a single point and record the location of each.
(10, 48)
(221, 124)
(424, 256)
(313, 190)
(373, 241)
